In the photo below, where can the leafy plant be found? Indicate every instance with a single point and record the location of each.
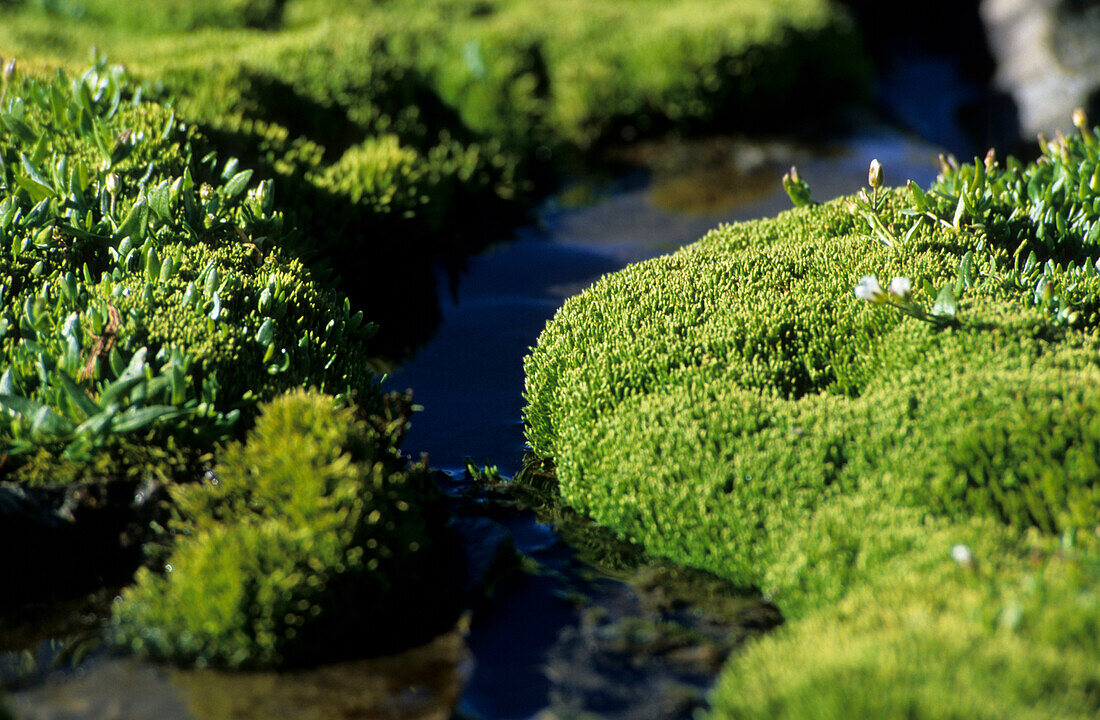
(1036, 226)
(144, 286)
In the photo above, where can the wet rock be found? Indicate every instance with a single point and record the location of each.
(702, 659)
(57, 541)
(632, 657)
(423, 683)
(1048, 58)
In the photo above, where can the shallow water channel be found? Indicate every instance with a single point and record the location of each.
(588, 627)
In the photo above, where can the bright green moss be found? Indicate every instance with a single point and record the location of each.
(761, 301)
(1013, 634)
(898, 487)
(312, 539)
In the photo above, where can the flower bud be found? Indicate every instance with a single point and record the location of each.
(113, 183)
(266, 196)
(1080, 119)
(206, 191)
(9, 70)
(797, 189)
(947, 164)
(990, 160)
(874, 174)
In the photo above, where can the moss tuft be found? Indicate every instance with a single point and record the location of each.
(312, 540)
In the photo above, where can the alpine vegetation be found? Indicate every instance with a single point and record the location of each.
(910, 473)
(313, 539)
(147, 295)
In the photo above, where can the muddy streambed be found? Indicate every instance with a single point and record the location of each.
(568, 620)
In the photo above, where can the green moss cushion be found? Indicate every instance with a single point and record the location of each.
(920, 498)
(312, 540)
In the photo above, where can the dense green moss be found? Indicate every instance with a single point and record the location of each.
(312, 539)
(746, 356)
(1009, 633)
(919, 497)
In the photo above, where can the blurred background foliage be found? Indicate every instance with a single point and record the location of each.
(483, 101)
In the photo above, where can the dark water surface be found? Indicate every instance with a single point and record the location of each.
(557, 636)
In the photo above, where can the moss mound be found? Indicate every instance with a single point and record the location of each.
(920, 497)
(1003, 639)
(312, 539)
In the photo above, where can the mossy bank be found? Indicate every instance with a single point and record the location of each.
(912, 479)
(312, 540)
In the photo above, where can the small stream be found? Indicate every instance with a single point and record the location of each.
(576, 621)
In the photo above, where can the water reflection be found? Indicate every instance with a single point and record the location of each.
(421, 684)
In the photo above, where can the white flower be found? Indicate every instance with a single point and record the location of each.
(900, 287)
(869, 289)
(962, 555)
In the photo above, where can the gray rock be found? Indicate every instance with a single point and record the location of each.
(1048, 58)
